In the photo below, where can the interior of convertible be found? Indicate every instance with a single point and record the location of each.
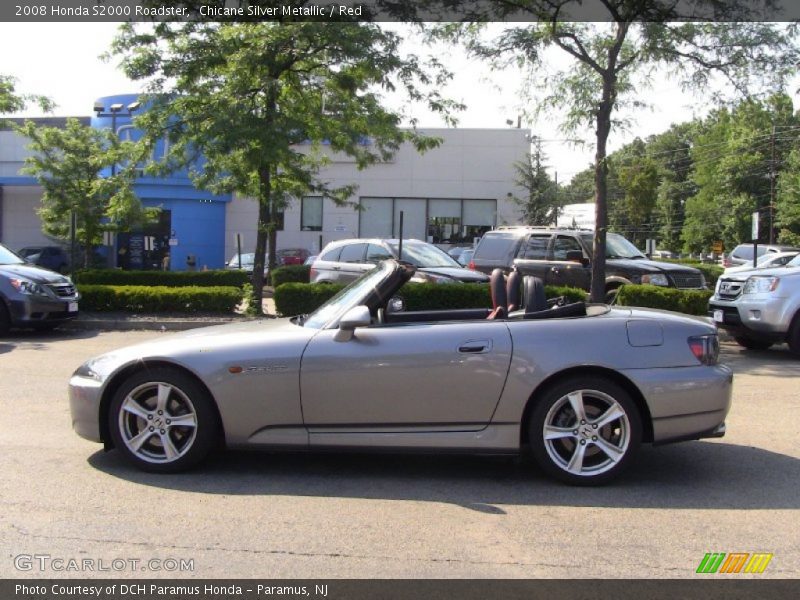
(514, 297)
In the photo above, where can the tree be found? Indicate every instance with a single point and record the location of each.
(612, 61)
(71, 164)
(541, 205)
(11, 101)
(788, 201)
(736, 160)
(267, 104)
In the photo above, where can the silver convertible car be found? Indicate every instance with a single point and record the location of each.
(579, 387)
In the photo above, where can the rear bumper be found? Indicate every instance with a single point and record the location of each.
(686, 403)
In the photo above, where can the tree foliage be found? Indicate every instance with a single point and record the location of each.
(542, 203)
(268, 104)
(11, 101)
(72, 164)
(612, 63)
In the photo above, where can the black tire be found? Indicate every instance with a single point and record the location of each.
(752, 344)
(142, 433)
(43, 327)
(5, 319)
(607, 448)
(794, 336)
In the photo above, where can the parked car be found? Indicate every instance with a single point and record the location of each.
(32, 296)
(310, 260)
(457, 251)
(345, 260)
(465, 257)
(760, 307)
(743, 253)
(292, 256)
(562, 257)
(49, 257)
(286, 256)
(765, 261)
(581, 387)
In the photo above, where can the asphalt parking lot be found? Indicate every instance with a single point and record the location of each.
(320, 516)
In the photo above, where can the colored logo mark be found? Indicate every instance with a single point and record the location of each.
(734, 562)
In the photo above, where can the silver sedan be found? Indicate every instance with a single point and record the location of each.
(579, 387)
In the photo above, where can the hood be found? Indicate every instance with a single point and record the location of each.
(782, 271)
(651, 266)
(457, 273)
(208, 344)
(33, 273)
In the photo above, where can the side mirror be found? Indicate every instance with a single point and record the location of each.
(396, 304)
(358, 316)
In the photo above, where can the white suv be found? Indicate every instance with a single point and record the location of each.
(760, 307)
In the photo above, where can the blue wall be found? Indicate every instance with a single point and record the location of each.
(198, 216)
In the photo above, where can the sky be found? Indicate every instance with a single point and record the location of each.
(61, 61)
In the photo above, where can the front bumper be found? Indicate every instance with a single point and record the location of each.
(84, 406)
(753, 316)
(28, 311)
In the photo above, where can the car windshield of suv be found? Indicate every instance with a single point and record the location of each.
(347, 298)
(7, 257)
(425, 255)
(616, 246)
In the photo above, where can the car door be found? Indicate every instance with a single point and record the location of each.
(405, 376)
(568, 272)
(532, 255)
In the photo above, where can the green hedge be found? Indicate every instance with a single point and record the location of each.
(690, 302)
(291, 274)
(158, 299)
(222, 277)
(299, 298)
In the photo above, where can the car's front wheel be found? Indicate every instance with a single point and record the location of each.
(163, 421)
(585, 431)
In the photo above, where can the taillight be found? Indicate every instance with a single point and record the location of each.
(312, 273)
(726, 262)
(471, 265)
(705, 348)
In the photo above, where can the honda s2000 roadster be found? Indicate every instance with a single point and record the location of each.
(578, 386)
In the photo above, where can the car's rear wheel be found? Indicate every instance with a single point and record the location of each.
(163, 421)
(752, 344)
(585, 431)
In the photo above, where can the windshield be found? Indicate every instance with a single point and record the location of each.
(7, 257)
(795, 262)
(424, 255)
(351, 296)
(247, 259)
(616, 246)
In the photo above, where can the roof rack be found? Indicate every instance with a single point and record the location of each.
(549, 227)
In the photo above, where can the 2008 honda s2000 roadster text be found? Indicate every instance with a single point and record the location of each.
(578, 386)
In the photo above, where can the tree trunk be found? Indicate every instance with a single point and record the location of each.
(598, 287)
(262, 229)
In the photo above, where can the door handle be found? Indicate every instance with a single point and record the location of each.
(475, 346)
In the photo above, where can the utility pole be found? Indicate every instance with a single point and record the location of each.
(772, 187)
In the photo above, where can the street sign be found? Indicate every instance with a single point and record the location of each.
(755, 226)
(717, 247)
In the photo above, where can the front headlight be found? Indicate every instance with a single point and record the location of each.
(96, 368)
(760, 285)
(656, 279)
(30, 288)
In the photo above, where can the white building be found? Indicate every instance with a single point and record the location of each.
(450, 194)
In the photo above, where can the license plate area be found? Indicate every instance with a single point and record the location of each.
(719, 316)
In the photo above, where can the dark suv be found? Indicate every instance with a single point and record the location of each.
(31, 296)
(562, 257)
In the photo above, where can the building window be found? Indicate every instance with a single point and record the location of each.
(311, 213)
